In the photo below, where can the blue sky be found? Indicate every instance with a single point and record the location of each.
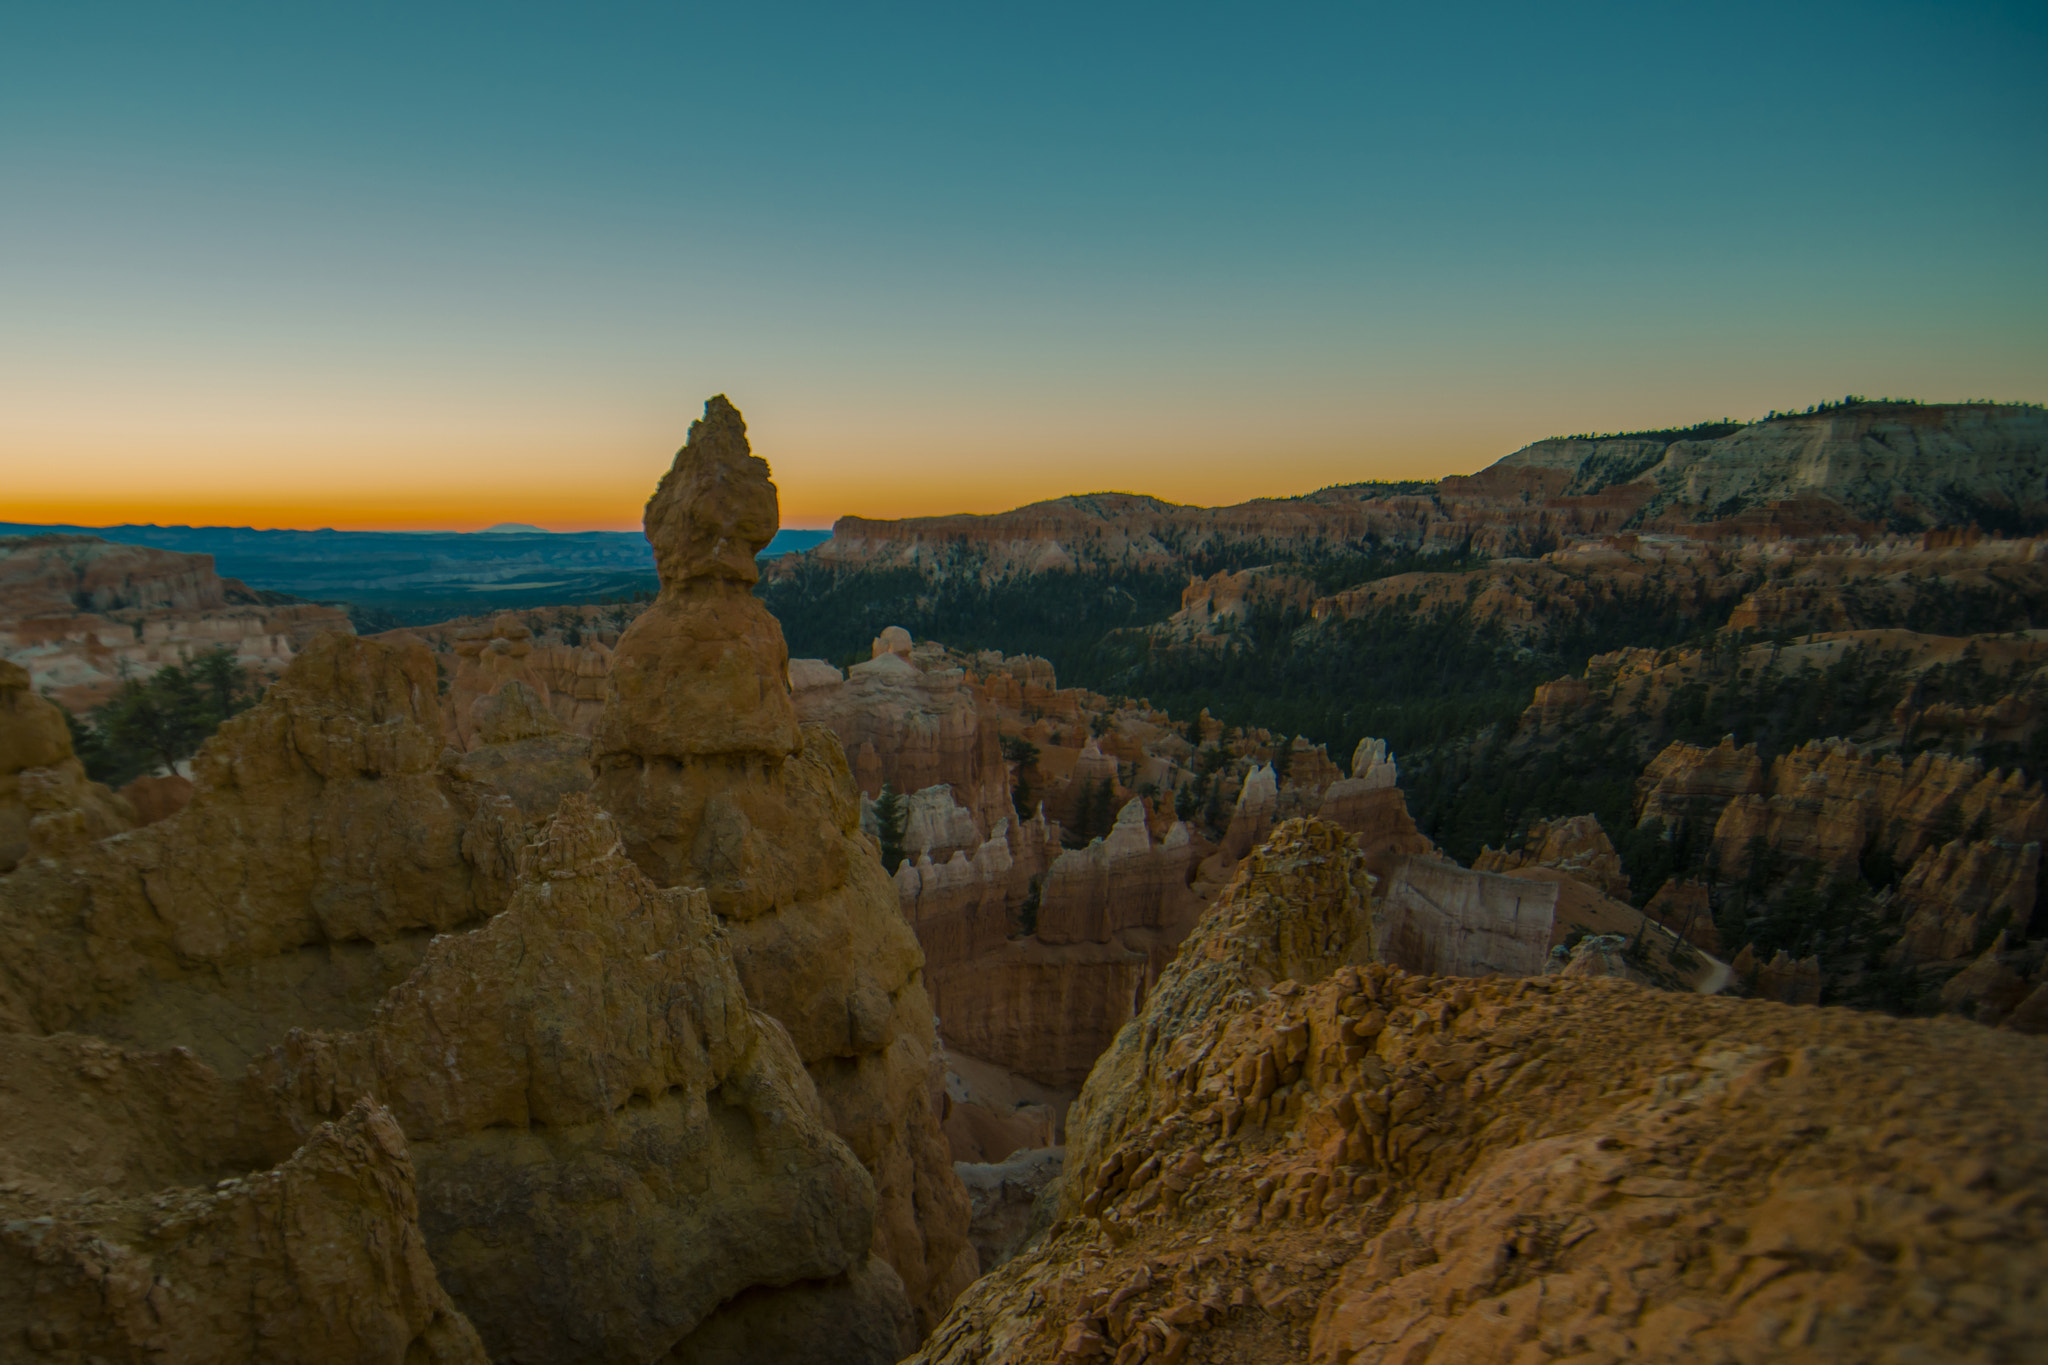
(451, 265)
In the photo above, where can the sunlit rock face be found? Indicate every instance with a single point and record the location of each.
(714, 785)
(1298, 1154)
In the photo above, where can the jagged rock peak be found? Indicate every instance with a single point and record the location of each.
(715, 509)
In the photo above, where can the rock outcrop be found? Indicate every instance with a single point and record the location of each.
(427, 1001)
(585, 1086)
(1437, 917)
(46, 804)
(714, 785)
(1574, 845)
(143, 1216)
(434, 1143)
(319, 852)
(1355, 1165)
(911, 728)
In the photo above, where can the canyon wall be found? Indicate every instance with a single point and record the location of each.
(1853, 470)
(82, 615)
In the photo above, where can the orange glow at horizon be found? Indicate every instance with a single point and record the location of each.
(816, 487)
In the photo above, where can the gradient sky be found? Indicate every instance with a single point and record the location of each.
(436, 265)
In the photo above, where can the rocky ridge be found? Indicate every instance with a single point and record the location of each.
(1289, 1156)
(1867, 466)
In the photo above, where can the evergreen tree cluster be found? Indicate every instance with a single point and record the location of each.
(154, 723)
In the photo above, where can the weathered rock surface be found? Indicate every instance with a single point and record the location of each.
(1380, 1167)
(1437, 917)
(701, 759)
(1300, 907)
(575, 1065)
(585, 1086)
(320, 849)
(1575, 845)
(142, 1218)
(1004, 1195)
(911, 728)
(47, 806)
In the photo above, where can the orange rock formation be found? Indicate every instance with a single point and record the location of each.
(1288, 1157)
(701, 759)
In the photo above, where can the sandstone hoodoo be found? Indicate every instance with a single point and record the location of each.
(715, 785)
(387, 1048)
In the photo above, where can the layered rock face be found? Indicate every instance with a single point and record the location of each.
(701, 759)
(81, 614)
(1969, 840)
(1814, 474)
(911, 728)
(1349, 1164)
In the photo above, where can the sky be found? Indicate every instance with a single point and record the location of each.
(441, 266)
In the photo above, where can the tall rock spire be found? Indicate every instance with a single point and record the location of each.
(704, 670)
(700, 759)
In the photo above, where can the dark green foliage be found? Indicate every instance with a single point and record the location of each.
(1027, 911)
(891, 815)
(1094, 814)
(826, 614)
(1698, 431)
(154, 723)
(1064, 617)
(1443, 690)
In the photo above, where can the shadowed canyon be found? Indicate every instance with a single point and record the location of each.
(1586, 910)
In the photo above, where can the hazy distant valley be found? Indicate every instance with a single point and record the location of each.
(416, 577)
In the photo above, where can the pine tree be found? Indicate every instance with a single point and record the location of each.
(890, 818)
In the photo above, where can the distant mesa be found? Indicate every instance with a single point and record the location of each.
(515, 528)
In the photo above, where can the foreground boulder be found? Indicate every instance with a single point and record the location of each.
(1357, 1165)
(150, 1211)
(715, 785)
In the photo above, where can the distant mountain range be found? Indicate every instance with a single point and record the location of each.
(417, 574)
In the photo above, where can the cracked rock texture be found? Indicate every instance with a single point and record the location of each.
(1360, 1165)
